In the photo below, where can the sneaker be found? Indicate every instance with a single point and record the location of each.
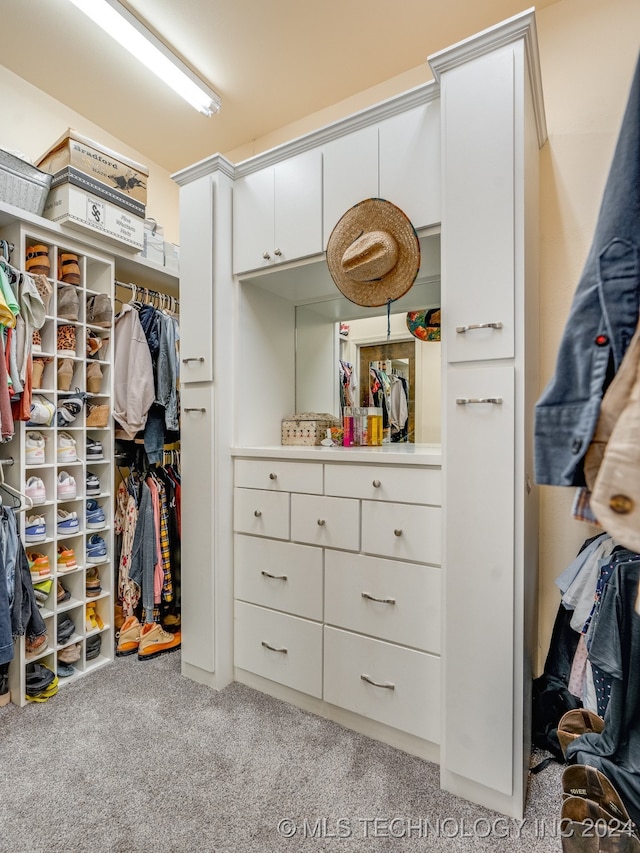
(34, 448)
(155, 641)
(94, 449)
(68, 523)
(35, 490)
(41, 590)
(66, 339)
(35, 529)
(38, 566)
(66, 448)
(42, 411)
(70, 406)
(66, 559)
(128, 637)
(96, 549)
(92, 484)
(95, 516)
(62, 593)
(66, 486)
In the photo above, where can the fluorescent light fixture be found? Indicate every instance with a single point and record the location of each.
(126, 29)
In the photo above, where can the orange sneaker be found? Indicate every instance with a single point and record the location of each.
(128, 637)
(38, 566)
(66, 559)
(155, 641)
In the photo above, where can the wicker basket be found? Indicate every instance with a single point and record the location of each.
(307, 429)
(22, 184)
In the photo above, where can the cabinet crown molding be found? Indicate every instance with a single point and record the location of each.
(215, 163)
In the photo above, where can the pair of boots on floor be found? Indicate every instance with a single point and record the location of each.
(148, 640)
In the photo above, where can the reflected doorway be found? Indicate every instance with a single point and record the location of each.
(390, 368)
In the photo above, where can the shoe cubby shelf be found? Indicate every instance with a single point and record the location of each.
(72, 375)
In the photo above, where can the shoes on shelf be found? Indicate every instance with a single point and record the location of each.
(35, 645)
(39, 566)
(65, 374)
(128, 637)
(93, 620)
(92, 484)
(98, 416)
(92, 647)
(70, 406)
(64, 670)
(66, 339)
(68, 523)
(94, 377)
(35, 490)
(35, 529)
(42, 683)
(37, 260)
(65, 630)
(68, 302)
(68, 270)
(36, 341)
(34, 448)
(62, 593)
(42, 412)
(92, 583)
(99, 310)
(66, 448)
(95, 516)
(39, 364)
(66, 486)
(155, 641)
(95, 343)
(41, 591)
(70, 654)
(94, 450)
(45, 289)
(96, 549)
(66, 559)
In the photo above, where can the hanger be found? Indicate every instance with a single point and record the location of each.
(24, 501)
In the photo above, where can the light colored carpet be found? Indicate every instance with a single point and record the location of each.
(136, 759)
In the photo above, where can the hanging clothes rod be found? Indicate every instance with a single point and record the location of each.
(164, 299)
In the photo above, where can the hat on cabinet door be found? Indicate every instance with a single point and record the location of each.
(424, 325)
(373, 253)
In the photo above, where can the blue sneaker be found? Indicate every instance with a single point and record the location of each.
(68, 523)
(95, 516)
(35, 529)
(96, 549)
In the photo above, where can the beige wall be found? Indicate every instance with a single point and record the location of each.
(588, 50)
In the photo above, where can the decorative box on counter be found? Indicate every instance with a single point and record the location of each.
(22, 184)
(307, 429)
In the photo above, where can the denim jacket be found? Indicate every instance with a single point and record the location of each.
(602, 318)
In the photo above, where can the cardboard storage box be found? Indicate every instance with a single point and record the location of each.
(22, 184)
(69, 175)
(117, 172)
(72, 206)
(172, 257)
(307, 429)
(153, 245)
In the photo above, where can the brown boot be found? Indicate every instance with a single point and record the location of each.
(65, 374)
(128, 637)
(155, 641)
(94, 377)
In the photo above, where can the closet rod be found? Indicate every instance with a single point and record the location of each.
(146, 291)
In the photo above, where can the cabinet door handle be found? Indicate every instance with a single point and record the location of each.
(273, 648)
(266, 256)
(321, 522)
(274, 577)
(462, 329)
(194, 358)
(273, 476)
(397, 531)
(464, 401)
(380, 600)
(376, 484)
(387, 685)
(257, 513)
(277, 252)
(200, 409)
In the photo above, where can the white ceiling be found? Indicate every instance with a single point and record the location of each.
(272, 62)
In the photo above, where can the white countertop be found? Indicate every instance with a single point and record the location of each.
(386, 454)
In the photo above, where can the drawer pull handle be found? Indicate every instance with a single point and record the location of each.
(273, 476)
(257, 513)
(199, 358)
(387, 684)
(397, 531)
(380, 600)
(376, 484)
(463, 401)
(273, 648)
(321, 522)
(274, 577)
(462, 329)
(200, 409)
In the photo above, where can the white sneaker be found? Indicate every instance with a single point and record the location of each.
(34, 448)
(66, 486)
(35, 490)
(66, 448)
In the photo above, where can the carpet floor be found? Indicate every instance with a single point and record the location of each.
(134, 758)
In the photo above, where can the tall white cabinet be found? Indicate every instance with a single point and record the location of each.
(270, 605)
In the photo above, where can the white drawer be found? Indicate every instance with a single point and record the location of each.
(278, 475)
(280, 575)
(384, 483)
(401, 531)
(408, 607)
(330, 522)
(410, 702)
(261, 513)
(279, 647)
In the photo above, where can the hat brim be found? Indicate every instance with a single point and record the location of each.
(422, 326)
(374, 214)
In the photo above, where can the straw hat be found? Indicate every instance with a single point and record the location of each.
(373, 253)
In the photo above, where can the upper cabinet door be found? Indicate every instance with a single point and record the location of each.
(350, 174)
(277, 213)
(410, 163)
(478, 221)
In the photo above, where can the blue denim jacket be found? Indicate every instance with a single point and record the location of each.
(602, 318)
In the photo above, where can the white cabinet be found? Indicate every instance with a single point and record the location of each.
(277, 213)
(350, 174)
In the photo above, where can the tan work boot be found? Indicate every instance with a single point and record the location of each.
(155, 641)
(128, 637)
